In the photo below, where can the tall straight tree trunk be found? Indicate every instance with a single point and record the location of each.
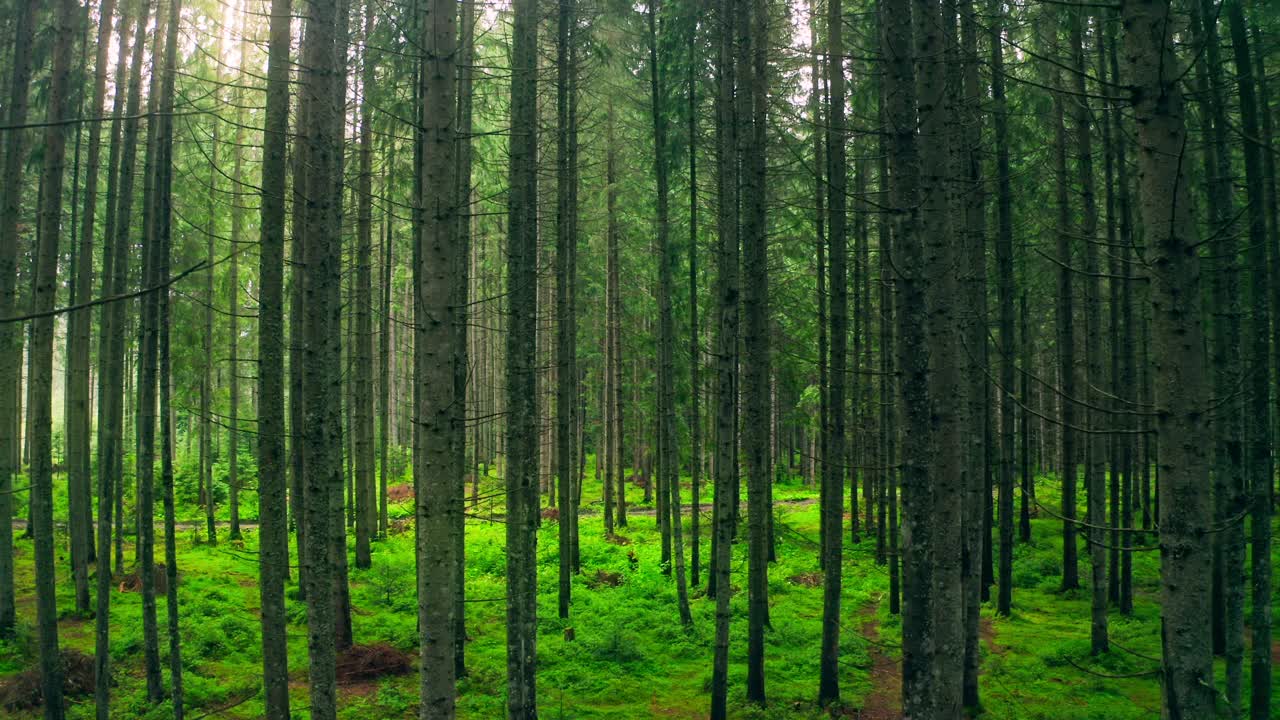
(976, 561)
(78, 419)
(273, 527)
(695, 347)
(297, 346)
(1178, 340)
(566, 375)
(1257, 438)
(613, 374)
(16, 106)
(668, 473)
(1095, 450)
(210, 303)
(462, 309)
(1224, 329)
(384, 358)
(522, 404)
(44, 297)
(918, 687)
(944, 308)
(436, 461)
(888, 388)
(816, 96)
(1005, 290)
(321, 353)
(1066, 337)
(362, 432)
(753, 104)
(110, 348)
(164, 240)
(233, 313)
(833, 471)
(147, 366)
(726, 465)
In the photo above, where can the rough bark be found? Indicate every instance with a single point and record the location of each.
(726, 343)
(41, 356)
(273, 528)
(320, 354)
(833, 471)
(16, 106)
(521, 401)
(1095, 444)
(109, 400)
(78, 417)
(1178, 350)
(1256, 439)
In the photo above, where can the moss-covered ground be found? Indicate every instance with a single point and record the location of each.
(630, 657)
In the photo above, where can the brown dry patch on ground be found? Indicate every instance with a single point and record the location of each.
(987, 633)
(885, 700)
(809, 579)
(23, 692)
(364, 664)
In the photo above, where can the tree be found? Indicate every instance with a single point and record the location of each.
(726, 337)
(163, 251)
(273, 530)
(1177, 340)
(834, 424)
(16, 108)
(111, 342)
(44, 292)
(522, 407)
(321, 93)
(362, 353)
(1257, 438)
(753, 43)
(78, 429)
(148, 374)
(566, 362)
(668, 441)
(436, 461)
(1005, 290)
(1095, 448)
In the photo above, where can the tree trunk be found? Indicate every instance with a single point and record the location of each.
(147, 376)
(1095, 452)
(78, 416)
(833, 470)
(41, 381)
(164, 241)
(362, 380)
(566, 371)
(16, 107)
(522, 404)
(1006, 291)
(1066, 351)
(111, 349)
(1256, 440)
(1177, 339)
(320, 354)
(273, 528)
(726, 465)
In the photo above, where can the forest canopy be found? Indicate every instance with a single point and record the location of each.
(599, 359)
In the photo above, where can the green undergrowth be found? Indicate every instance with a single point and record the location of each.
(629, 656)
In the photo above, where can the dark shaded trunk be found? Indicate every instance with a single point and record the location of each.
(522, 404)
(273, 528)
(16, 107)
(44, 295)
(1180, 381)
(833, 471)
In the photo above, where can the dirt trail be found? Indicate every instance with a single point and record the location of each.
(885, 700)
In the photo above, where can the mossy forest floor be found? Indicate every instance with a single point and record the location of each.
(630, 657)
